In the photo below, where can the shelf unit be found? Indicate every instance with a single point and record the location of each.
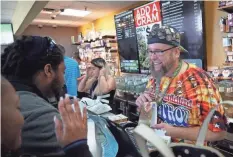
(228, 65)
(104, 47)
(124, 105)
(222, 78)
(224, 84)
(228, 8)
(110, 37)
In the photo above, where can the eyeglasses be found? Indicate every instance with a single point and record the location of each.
(160, 52)
(52, 44)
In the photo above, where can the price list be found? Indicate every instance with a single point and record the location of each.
(125, 25)
(173, 14)
(127, 42)
(186, 17)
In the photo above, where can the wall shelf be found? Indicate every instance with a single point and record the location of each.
(228, 64)
(228, 8)
(112, 37)
(76, 43)
(222, 78)
(98, 47)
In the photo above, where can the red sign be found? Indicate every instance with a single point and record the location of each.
(147, 14)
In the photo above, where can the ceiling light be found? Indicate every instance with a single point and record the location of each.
(72, 12)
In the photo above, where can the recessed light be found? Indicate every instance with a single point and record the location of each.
(73, 12)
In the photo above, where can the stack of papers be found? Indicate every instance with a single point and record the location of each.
(118, 118)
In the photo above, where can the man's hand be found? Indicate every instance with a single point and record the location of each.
(73, 126)
(143, 98)
(168, 128)
(189, 133)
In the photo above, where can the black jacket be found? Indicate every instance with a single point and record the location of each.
(76, 149)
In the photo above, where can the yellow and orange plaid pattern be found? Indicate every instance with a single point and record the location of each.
(195, 84)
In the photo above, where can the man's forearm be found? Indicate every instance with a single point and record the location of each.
(191, 133)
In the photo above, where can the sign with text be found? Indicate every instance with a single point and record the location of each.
(147, 14)
(186, 17)
(127, 42)
(144, 18)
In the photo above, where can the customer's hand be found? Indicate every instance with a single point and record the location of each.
(81, 77)
(103, 72)
(73, 126)
(88, 72)
(147, 96)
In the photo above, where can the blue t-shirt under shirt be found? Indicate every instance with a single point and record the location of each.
(72, 72)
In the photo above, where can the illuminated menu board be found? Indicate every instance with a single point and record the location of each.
(127, 42)
(133, 27)
(186, 16)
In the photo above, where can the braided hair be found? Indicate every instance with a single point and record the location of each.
(28, 55)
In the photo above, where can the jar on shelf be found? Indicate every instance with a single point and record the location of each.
(229, 89)
(221, 86)
(222, 24)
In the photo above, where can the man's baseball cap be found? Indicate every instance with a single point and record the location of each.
(165, 35)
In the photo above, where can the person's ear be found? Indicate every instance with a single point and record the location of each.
(177, 52)
(48, 70)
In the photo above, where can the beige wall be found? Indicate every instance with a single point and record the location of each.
(214, 48)
(107, 22)
(62, 35)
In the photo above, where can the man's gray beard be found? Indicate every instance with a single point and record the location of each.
(157, 74)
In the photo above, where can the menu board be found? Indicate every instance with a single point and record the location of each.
(145, 17)
(186, 16)
(127, 42)
(133, 27)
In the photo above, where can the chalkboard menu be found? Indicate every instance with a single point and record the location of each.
(127, 42)
(186, 16)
